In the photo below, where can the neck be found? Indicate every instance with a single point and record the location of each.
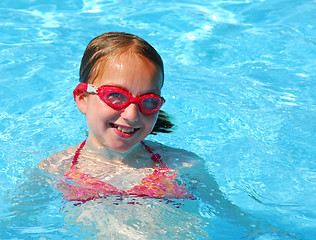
(110, 154)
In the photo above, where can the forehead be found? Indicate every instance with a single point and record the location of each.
(131, 71)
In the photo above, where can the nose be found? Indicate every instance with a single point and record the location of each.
(131, 113)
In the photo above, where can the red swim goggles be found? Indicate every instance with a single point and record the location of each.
(119, 98)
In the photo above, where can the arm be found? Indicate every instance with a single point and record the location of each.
(58, 163)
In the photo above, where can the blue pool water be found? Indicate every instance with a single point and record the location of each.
(240, 85)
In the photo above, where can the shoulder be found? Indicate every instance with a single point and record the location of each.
(177, 158)
(59, 162)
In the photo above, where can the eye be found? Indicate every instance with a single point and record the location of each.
(117, 98)
(150, 103)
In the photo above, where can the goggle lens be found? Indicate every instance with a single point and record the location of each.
(116, 98)
(150, 104)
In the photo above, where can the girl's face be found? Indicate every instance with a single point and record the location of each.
(120, 130)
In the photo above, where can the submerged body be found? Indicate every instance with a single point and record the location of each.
(170, 212)
(114, 209)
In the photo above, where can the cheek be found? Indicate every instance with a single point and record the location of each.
(151, 120)
(98, 111)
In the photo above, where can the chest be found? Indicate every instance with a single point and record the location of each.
(118, 175)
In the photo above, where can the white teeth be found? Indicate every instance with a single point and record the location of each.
(125, 130)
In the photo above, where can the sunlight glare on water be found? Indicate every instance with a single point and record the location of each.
(239, 86)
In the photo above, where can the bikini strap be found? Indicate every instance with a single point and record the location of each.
(154, 156)
(77, 153)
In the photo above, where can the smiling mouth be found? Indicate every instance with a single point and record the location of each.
(123, 129)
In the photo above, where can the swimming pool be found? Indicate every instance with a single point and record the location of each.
(240, 85)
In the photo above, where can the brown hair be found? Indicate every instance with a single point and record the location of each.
(112, 44)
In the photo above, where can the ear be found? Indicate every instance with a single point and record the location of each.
(81, 99)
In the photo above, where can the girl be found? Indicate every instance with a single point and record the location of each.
(121, 78)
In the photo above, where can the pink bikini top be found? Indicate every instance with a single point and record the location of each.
(160, 183)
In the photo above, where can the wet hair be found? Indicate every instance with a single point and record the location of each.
(113, 44)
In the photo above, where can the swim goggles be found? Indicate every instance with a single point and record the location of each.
(118, 98)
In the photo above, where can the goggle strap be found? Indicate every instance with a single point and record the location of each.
(92, 89)
(81, 88)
